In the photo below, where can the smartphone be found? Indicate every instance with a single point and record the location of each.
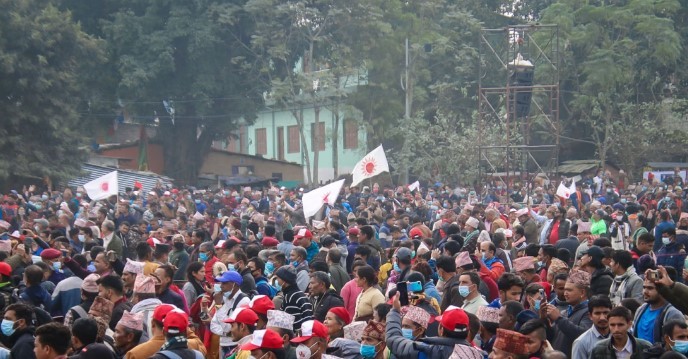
(402, 289)
(652, 275)
(543, 297)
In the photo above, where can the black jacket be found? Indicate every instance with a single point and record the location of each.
(600, 281)
(323, 304)
(21, 342)
(180, 349)
(450, 294)
(566, 330)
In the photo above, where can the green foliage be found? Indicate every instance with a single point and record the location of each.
(195, 54)
(43, 56)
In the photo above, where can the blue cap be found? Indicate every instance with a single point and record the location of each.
(230, 276)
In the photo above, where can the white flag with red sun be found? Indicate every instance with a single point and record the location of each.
(102, 187)
(371, 165)
(312, 201)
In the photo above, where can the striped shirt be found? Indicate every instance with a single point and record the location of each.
(297, 304)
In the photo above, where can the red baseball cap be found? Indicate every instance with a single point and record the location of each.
(269, 242)
(354, 231)
(303, 233)
(454, 319)
(415, 232)
(5, 269)
(266, 339)
(261, 304)
(176, 321)
(161, 311)
(342, 313)
(243, 315)
(313, 328)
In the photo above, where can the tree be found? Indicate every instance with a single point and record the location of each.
(43, 55)
(195, 56)
(616, 56)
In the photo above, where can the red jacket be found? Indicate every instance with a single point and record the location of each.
(486, 276)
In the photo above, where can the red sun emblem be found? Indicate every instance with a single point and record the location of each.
(368, 166)
(104, 186)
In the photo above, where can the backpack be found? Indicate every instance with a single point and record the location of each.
(272, 289)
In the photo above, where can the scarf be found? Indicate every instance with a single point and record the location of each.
(180, 339)
(197, 287)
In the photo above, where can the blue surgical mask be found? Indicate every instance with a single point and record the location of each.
(536, 306)
(396, 268)
(269, 268)
(231, 266)
(57, 266)
(415, 287)
(91, 268)
(484, 257)
(295, 263)
(367, 351)
(407, 333)
(198, 201)
(217, 287)
(82, 238)
(464, 291)
(7, 327)
(681, 346)
(203, 257)
(277, 286)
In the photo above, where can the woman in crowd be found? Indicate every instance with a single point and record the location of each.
(351, 290)
(335, 320)
(370, 295)
(195, 273)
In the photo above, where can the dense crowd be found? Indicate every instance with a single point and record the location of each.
(437, 272)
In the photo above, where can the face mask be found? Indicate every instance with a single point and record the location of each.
(484, 257)
(536, 306)
(464, 291)
(540, 264)
(666, 240)
(407, 333)
(179, 245)
(269, 268)
(91, 268)
(37, 228)
(228, 293)
(415, 287)
(680, 346)
(203, 257)
(667, 199)
(198, 201)
(44, 197)
(226, 193)
(396, 268)
(82, 238)
(7, 327)
(217, 288)
(231, 266)
(295, 264)
(302, 351)
(57, 266)
(38, 207)
(216, 201)
(367, 351)
(277, 286)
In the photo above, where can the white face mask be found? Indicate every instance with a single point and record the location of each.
(304, 352)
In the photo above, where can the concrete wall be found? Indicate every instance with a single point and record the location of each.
(221, 163)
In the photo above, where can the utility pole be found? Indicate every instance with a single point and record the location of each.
(407, 107)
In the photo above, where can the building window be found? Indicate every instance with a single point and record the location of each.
(261, 141)
(242, 170)
(320, 145)
(277, 176)
(350, 134)
(294, 143)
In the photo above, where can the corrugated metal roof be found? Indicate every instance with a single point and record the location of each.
(671, 165)
(578, 166)
(126, 178)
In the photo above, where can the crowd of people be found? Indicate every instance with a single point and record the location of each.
(437, 272)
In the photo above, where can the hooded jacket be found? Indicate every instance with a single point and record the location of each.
(600, 281)
(627, 285)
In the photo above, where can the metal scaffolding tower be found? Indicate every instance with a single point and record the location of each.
(519, 96)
